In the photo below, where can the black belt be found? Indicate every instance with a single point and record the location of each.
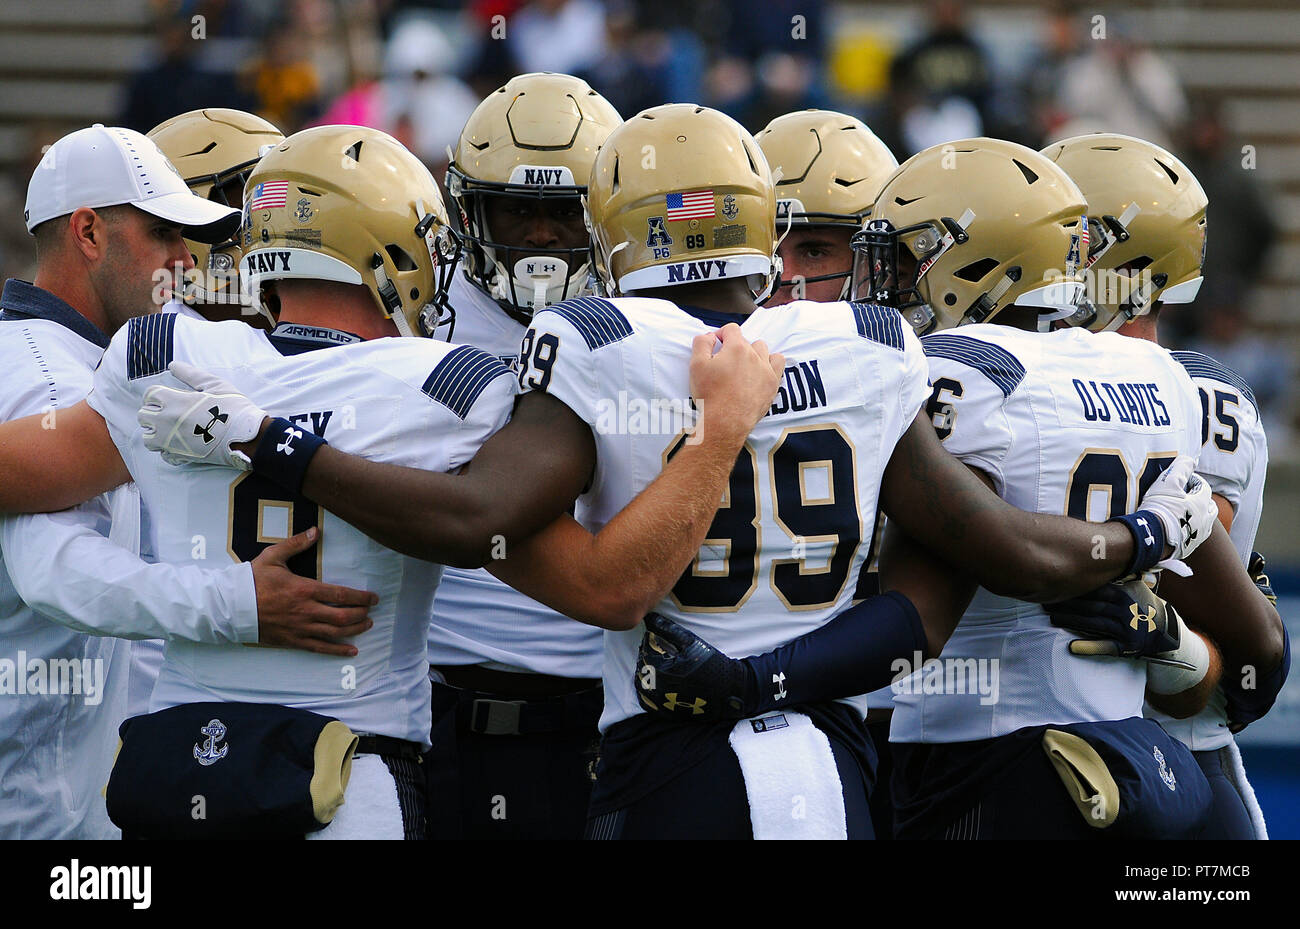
(387, 745)
(488, 713)
(517, 685)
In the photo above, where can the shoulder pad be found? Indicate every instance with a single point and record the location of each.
(462, 375)
(149, 344)
(599, 321)
(1199, 365)
(994, 362)
(879, 324)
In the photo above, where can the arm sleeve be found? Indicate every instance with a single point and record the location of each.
(112, 395)
(473, 394)
(915, 389)
(1230, 423)
(65, 570)
(555, 357)
(856, 651)
(968, 409)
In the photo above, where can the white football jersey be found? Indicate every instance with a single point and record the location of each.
(412, 402)
(1234, 459)
(478, 619)
(786, 549)
(1066, 422)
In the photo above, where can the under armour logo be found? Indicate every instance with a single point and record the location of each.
(285, 447)
(1140, 617)
(1188, 532)
(1150, 539)
(217, 417)
(696, 706)
(779, 681)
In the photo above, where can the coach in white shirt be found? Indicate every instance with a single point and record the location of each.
(107, 210)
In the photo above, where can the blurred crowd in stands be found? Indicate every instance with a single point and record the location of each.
(416, 68)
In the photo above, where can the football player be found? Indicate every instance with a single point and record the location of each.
(688, 240)
(1058, 422)
(1147, 236)
(214, 150)
(516, 686)
(377, 269)
(828, 168)
(107, 212)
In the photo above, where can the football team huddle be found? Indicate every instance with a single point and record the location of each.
(676, 483)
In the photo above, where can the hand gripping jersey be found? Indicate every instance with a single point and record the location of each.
(795, 528)
(411, 402)
(1066, 422)
(478, 619)
(1234, 459)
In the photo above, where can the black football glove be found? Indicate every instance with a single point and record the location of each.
(1122, 621)
(680, 674)
(1256, 571)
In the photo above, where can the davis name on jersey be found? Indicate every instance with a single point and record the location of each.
(795, 527)
(478, 619)
(1065, 422)
(1234, 460)
(411, 402)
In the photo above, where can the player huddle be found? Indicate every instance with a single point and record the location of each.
(428, 587)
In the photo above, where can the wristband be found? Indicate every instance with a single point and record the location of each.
(1148, 540)
(285, 452)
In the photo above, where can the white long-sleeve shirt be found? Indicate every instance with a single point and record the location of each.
(62, 575)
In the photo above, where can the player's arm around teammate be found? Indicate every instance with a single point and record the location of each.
(609, 579)
(59, 459)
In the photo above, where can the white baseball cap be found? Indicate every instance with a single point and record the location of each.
(107, 166)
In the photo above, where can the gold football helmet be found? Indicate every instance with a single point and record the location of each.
(679, 194)
(965, 229)
(1146, 225)
(350, 204)
(828, 169)
(215, 150)
(535, 137)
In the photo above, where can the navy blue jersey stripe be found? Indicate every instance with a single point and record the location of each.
(994, 362)
(149, 344)
(462, 375)
(598, 321)
(1199, 365)
(879, 324)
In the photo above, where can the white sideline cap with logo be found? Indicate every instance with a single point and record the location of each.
(108, 166)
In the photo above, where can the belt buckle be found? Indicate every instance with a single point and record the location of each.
(502, 716)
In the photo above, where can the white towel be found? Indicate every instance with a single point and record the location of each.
(370, 808)
(790, 776)
(1247, 792)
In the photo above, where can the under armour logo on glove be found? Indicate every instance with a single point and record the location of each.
(1139, 617)
(217, 417)
(285, 448)
(206, 409)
